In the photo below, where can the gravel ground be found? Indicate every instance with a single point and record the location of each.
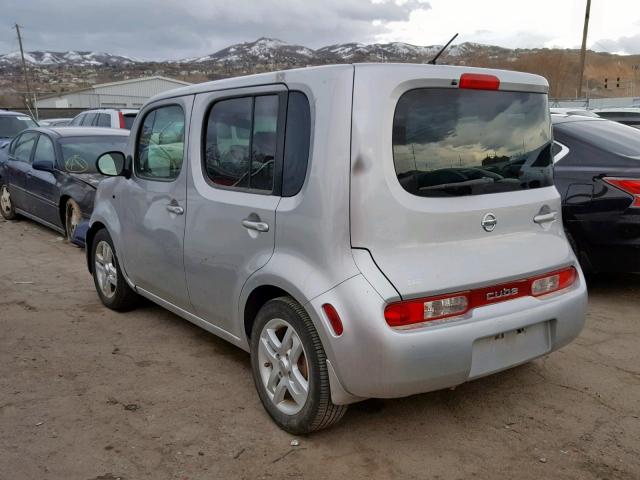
(88, 394)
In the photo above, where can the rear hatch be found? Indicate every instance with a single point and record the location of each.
(452, 184)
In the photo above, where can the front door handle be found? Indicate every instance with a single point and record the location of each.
(254, 225)
(173, 208)
(544, 218)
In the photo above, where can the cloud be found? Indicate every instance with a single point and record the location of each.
(627, 45)
(158, 29)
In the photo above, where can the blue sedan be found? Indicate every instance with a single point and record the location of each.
(50, 175)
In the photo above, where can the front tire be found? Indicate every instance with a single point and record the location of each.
(7, 209)
(113, 289)
(290, 369)
(72, 217)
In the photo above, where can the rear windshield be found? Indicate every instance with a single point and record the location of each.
(128, 120)
(10, 126)
(610, 136)
(453, 142)
(79, 154)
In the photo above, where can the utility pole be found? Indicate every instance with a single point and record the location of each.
(583, 51)
(28, 98)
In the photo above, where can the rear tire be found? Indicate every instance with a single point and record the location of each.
(6, 205)
(290, 368)
(113, 289)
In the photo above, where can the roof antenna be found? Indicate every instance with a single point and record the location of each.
(433, 60)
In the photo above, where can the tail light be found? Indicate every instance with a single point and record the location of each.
(121, 117)
(421, 310)
(479, 81)
(627, 185)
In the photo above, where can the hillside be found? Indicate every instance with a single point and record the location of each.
(63, 71)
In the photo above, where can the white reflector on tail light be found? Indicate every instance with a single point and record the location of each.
(420, 310)
(553, 282)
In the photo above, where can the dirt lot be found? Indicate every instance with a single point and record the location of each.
(86, 393)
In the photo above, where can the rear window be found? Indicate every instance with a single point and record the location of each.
(455, 142)
(79, 154)
(609, 136)
(128, 120)
(10, 126)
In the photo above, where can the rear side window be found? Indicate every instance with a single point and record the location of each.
(160, 144)
(296, 146)
(128, 120)
(456, 142)
(104, 120)
(241, 141)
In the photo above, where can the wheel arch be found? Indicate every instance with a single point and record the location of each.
(255, 301)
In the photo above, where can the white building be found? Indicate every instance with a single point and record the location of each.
(124, 94)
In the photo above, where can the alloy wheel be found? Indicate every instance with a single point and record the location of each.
(283, 365)
(106, 270)
(5, 200)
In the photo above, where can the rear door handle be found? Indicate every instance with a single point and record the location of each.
(257, 226)
(177, 209)
(544, 218)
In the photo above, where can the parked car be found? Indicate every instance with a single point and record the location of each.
(50, 175)
(597, 172)
(627, 116)
(12, 123)
(105, 117)
(297, 215)
(55, 122)
(574, 111)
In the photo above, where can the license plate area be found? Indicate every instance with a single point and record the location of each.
(510, 348)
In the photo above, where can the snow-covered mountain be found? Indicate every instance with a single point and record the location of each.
(275, 52)
(70, 58)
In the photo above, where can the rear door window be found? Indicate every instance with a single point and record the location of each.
(104, 120)
(456, 142)
(241, 142)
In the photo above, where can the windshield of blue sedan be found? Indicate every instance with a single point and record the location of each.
(453, 142)
(79, 154)
(11, 125)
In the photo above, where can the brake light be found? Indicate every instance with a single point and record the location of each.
(479, 81)
(627, 185)
(421, 310)
(121, 117)
(334, 318)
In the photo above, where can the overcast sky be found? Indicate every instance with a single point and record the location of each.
(170, 29)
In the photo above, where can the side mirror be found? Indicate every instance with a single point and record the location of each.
(111, 164)
(44, 165)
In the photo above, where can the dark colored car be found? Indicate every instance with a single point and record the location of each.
(50, 174)
(597, 172)
(12, 123)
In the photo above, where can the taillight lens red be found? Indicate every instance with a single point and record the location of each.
(334, 318)
(479, 81)
(627, 185)
(421, 310)
(121, 117)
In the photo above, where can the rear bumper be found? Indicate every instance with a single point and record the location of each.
(370, 359)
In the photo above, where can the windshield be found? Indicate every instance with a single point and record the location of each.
(79, 154)
(453, 142)
(11, 125)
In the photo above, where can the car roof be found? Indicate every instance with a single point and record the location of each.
(558, 118)
(318, 74)
(13, 114)
(82, 131)
(106, 109)
(619, 109)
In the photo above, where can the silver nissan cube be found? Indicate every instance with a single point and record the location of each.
(370, 230)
